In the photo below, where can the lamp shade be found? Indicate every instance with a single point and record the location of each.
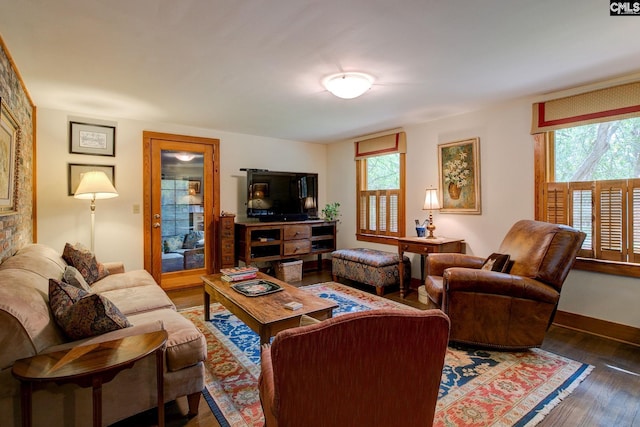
(348, 85)
(95, 185)
(431, 199)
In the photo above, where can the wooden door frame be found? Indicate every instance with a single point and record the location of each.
(212, 204)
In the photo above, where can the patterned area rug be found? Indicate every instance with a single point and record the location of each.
(478, 388)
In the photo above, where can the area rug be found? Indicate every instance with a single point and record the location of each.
(478, 387)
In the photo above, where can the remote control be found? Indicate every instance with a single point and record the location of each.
(293, 305)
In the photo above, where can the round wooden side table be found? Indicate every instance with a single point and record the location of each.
(91, 366)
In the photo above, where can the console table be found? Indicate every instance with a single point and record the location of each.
(91, 365)
(424, 246)
(275, 241)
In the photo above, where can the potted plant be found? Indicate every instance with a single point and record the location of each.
(331, 211)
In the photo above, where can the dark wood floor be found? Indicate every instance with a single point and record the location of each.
(609, 396)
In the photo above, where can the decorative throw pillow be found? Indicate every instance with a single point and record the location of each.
(173, 243)
(192, 238)
(81, 314)
(85, 262)
(73, 277)
(496, 262)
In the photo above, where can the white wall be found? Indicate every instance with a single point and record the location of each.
(507, 185)
(507, 193)
(119, 231)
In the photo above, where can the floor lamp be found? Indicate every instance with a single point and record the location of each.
(94, 185)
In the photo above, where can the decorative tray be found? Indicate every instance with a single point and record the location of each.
(254, 288)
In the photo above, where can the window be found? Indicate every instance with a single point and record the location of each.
(380, 169)
(587, 173)
(594, 186)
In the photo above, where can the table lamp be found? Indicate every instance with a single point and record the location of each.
(431, 203)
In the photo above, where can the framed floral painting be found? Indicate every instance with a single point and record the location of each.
(459, 167)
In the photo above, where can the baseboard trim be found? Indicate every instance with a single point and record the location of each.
(602, 328)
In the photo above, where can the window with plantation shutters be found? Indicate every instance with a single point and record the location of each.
(587, 169)
(380, 168)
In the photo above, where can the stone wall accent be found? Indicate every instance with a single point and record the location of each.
(16, 229)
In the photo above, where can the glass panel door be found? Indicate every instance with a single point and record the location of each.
(182, 211)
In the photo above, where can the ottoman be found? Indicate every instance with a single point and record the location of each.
(370, 266)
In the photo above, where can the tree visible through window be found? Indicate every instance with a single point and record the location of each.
(593, 184)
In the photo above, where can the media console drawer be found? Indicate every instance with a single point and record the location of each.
(297, 247)
(295, 232)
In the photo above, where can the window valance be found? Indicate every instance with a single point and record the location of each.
(387, 144)
(613, 103)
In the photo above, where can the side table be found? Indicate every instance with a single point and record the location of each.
(425, 246)
(90, 366)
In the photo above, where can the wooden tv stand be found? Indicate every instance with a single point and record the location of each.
(275, 241)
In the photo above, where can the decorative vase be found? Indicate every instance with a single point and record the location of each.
(454, 191)
(421, 231)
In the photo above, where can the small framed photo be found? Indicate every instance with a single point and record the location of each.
(77, 170)
(95, 140)
(459, 167)
(194, 186)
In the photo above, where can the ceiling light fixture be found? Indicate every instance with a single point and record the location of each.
(185, 157)
(348, 85)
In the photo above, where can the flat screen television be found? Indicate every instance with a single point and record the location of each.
(282, 196)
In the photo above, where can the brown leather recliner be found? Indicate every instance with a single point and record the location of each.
(510, 310)
(375, 368)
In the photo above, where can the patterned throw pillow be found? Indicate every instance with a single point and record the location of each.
(81, 314)
(192, 239)
(85, 262)
(496, 262)
(73, 277)
(173, 243)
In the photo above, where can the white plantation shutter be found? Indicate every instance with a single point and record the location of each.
(581, 213)
(393, 212)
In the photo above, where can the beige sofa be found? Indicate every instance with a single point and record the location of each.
(27, 327)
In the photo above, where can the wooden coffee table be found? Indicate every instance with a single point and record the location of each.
(265, 314)
(91, 365)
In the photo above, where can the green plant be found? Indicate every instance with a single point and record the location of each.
(331, 211)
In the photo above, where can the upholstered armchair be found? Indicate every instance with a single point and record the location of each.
(373, 368)
(508, 300)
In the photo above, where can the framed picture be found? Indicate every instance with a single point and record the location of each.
(96, 140)
(194, 187)
(459, 167)
(76, 170)
(9, 143)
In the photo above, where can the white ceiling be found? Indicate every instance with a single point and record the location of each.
(255, 66)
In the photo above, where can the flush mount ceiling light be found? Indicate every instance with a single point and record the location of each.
(185, 157)
(348, 85)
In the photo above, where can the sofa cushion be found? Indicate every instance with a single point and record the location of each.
(139, 299)
(173, 243)
(73, 277)
(81, 314)
(85, 261)
(186, 346)
(192, 239)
